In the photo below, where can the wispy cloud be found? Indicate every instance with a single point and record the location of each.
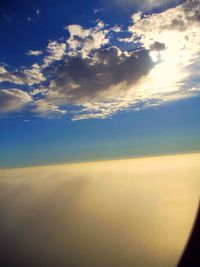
(34, 52)
(144, 5)
(37, 12)
(98, 10)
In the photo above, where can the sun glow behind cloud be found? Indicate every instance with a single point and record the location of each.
(89, 72)
(171, 76)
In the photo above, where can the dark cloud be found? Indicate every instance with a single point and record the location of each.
(192, 10)
(157, 46)
(78, 79)
(99, 79)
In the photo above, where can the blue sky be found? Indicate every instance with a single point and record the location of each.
(89, 80)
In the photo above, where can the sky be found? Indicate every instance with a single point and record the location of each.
(89, 80)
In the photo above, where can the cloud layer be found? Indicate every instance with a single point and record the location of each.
(92, 72)
(99, 214)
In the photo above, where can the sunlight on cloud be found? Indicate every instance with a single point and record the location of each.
(178, 32)
(99, 79)
(134, 212)
(34, 52)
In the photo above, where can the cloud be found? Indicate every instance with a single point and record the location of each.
(72, 214)
(37, 12)
(98, 10)
(27, 76)
(98, 79)
(45, 108)
(157, 46)
(83, 41)
(97, 83)
(144, 5)
(136, 17)
(56, 50)
(103, 81)
(89, 78)
(2, 70)
(172, 38)
(34, 52)
(13, 100)
(179, 18)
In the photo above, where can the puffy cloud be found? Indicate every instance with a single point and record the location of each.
(173, 39)
(34, 52)
(83, 41)
(103, 81)
(27, 76)
(88, 78)
(98, 79)
(34, 75)
(179, 18)
(97, 83)
(136, 17)
(56, 50)
(13, 100)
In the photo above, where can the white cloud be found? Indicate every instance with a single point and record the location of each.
(87, 72)
(34, 52)
(117, 29)
(34, 75)
(136, 17)
(84, 41)
(56, 51)
(25, 77)
(173, 38)
(2, 70)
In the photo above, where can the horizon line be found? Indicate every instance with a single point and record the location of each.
(139, 156)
